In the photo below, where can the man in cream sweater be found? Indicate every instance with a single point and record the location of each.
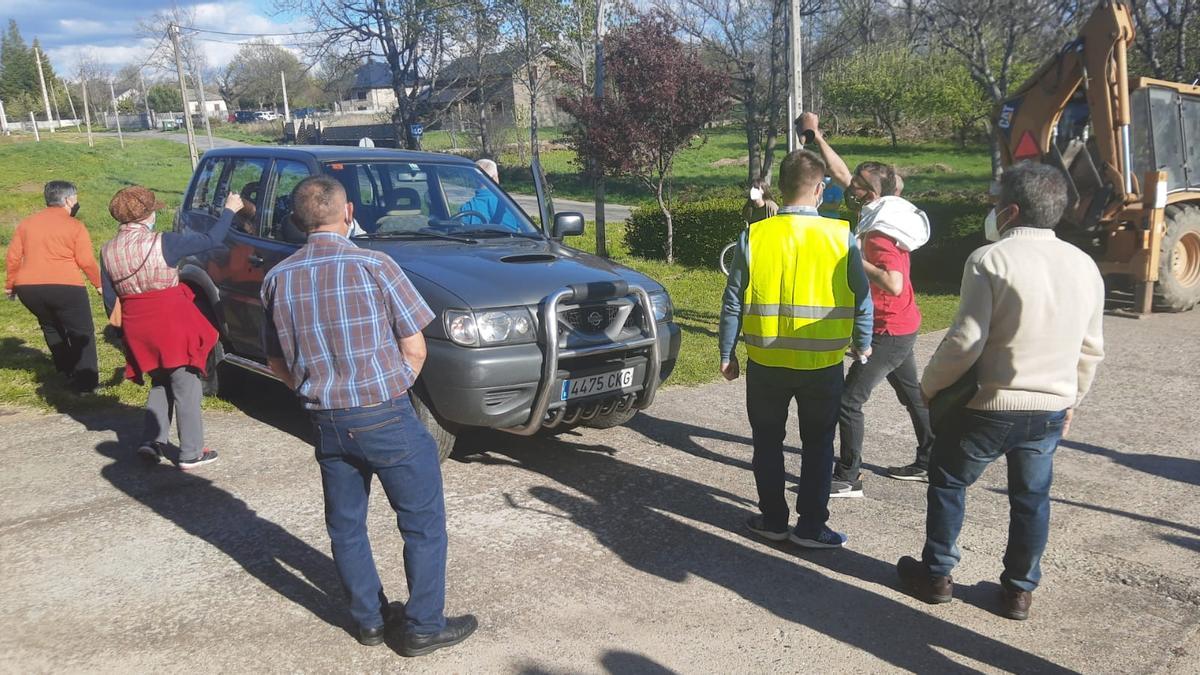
(1029, 322)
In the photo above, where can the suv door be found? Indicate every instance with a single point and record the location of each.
(237, 271)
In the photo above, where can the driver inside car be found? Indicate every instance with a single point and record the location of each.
(486, 203)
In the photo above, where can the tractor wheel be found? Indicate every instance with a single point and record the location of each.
(1178, 287)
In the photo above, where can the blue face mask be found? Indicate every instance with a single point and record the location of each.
(153, 220)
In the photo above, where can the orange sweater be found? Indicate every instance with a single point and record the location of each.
(51, 247)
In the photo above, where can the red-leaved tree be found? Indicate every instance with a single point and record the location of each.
(658, 97)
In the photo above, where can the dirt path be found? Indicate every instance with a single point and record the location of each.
(606, 551)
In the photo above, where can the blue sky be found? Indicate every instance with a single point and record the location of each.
(107, 29)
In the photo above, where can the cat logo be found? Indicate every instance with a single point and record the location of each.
(1006, 115)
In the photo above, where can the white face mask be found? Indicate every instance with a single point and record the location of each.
(755, 194)
(991, 231)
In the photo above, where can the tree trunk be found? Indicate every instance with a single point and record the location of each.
(535, 155)
(601, 239)
(662, 206)
(994, 144)
(753, 137)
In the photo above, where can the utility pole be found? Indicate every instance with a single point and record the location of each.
(795, 75)
(204, 107)
(116, 113)
(36, 136)
(37, 54)
(3, 119)
(187, 116)
(87, 115)
(146, 100)
(597, 171)
(287, 111)
(74, 115)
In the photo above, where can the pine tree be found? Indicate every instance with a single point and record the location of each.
(18, 74)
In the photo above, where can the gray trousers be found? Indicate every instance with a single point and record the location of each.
(176, 392)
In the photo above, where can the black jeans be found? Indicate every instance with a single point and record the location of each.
(65, 316)
(891, 358)
(769, 395)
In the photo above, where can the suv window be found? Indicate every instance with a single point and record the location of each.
(246, 179)
(288, 174)
(205, 194)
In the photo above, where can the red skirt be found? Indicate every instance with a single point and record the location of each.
(164, 330)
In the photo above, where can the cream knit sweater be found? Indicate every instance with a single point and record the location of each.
(1030, 320)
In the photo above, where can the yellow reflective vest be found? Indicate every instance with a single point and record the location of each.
(798, 309)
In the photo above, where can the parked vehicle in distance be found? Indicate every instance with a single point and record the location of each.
(530, 333)
(266, 116)
(245, 116)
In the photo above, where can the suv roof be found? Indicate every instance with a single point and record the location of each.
(334, 153)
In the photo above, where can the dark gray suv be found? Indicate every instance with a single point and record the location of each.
(530, 333)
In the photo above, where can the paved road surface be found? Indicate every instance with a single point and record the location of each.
(613, 213)
(605, 551)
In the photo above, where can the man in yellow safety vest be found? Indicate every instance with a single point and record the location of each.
(799, 296)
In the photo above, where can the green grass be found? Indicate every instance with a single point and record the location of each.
(28, 379)
(26, 376)
(713, 167)
(696, 294)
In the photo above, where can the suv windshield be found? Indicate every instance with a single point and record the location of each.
(399, 198)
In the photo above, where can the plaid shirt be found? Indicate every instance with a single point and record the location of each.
(335, 314)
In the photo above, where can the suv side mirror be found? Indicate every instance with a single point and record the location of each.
(567, 224)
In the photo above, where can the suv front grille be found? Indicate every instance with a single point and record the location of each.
(592, 319)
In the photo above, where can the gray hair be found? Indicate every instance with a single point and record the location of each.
(489, 167)
(57, 192)
(1038, 190)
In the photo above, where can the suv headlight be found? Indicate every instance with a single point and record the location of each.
(661, 303)
(511, 325)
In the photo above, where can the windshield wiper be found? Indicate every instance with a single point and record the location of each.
(417, 234)
(502, 232)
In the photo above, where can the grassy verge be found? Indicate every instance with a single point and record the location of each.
(28, 379)
(696, 294)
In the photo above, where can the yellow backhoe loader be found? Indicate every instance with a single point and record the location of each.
(1131, 151)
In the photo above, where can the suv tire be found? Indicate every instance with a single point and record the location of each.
(443, 436)
(1178, 287)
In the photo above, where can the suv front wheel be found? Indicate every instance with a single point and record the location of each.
(441, 431)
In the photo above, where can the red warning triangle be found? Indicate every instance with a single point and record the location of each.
(1027, 148)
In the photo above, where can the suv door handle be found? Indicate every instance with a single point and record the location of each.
(255, 260)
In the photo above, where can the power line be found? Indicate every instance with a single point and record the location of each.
(253, 35)
(153, 52)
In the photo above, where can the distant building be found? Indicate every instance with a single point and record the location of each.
(214, 104)
(500, 78)
(372, 90)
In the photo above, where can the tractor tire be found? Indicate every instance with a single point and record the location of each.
(443, 433)
(1178, 287)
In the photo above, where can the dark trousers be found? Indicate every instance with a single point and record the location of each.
(891, 358)
(769, 396)
(388, 441)
(1028, 440)
(65, 316)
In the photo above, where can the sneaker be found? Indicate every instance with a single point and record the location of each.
(846, 488)
(150, 453)
(908, 472)
(758, 526)
(826, 538)
(917, 580)
(207, 457)
(1016, 604)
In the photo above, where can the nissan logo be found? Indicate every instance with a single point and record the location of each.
(594, 318)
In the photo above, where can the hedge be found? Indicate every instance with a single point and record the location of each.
(702, 228)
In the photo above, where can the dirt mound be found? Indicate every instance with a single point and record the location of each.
(730, 161)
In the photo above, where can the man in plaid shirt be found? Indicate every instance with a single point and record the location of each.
(343, 330)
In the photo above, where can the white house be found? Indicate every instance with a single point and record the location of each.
(214, 105)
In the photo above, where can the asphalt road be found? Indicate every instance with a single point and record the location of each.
(605, 551)
(613, 213)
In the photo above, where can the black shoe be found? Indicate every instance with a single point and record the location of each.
(908, 472)
(393, 616)
(846, 488)
(371, 637)
(758, 526)
(457, 629)
(150, 453)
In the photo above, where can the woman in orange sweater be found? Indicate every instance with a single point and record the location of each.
(47, 253)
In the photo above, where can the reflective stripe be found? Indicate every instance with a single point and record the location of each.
(796, 343)
(800, 311)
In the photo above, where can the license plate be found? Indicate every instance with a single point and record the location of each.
(596, 384)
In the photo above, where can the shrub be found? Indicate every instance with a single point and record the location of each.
(702, 228)
(705, 226)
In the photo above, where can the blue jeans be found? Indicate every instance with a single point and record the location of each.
(769, 395)
(960, 455)
(388, 441)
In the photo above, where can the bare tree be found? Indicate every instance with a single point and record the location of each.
(409, 35)
(533, 26)
(1166, 29)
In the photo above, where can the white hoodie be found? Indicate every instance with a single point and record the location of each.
(897, 218)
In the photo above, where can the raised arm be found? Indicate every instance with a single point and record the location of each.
(834, 164)
(179, 245)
